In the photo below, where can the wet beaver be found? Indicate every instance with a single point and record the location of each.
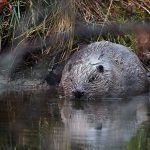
(103, 69)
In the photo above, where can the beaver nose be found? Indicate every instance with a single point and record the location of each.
(78, 94)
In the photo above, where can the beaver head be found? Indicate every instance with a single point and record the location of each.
(86, 79)
(102, 69)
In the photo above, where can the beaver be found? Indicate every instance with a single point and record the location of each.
(103, 69)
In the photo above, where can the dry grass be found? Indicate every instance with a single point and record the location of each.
(36, 18)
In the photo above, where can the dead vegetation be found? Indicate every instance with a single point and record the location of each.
(26, 24)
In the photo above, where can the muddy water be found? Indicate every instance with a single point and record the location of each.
(40, 120)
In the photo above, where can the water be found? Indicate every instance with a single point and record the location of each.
(40, 120)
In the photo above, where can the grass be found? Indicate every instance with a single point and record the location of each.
(141, 139)
(37, 18)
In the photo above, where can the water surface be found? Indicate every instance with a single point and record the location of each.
(40, 120)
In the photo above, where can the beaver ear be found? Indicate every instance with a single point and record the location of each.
(69, 67)
(100, 68)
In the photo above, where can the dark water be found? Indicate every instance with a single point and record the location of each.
(39, 120)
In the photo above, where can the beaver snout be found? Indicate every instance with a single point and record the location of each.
(78, 93)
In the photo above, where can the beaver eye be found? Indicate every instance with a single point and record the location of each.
(92, 79)
(69, 67)
(100, 69)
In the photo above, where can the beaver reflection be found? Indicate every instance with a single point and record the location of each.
(105, 125)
